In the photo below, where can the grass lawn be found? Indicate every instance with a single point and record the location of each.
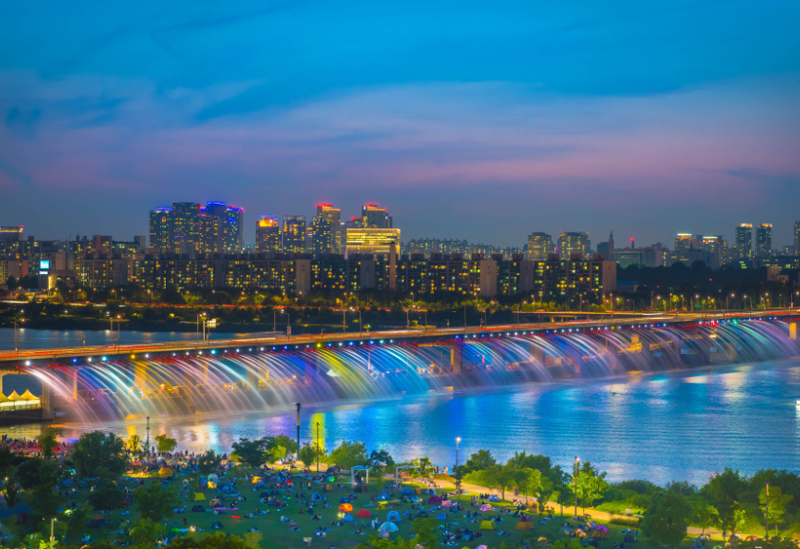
(279, 535)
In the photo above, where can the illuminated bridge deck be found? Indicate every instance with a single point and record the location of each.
(15, 359)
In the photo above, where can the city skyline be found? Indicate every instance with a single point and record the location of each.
(525, 117)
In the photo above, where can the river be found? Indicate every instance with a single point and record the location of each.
(681, 425)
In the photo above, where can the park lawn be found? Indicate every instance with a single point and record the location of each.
(278, 535)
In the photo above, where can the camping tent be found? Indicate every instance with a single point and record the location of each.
(524, 525)
(486, 507)
(435, 500)
(388, 527)
(487, 525)
(347, 518)
(393, 516)
(383, 497)
(213, 478)
(256, 480)
(407, 491)
(165, 472)
(346, 507)
(199, 496)
(441, 516)
(363, 514)
(316, 497)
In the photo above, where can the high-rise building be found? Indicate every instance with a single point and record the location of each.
(321, 242)
(540, 246)
(373, 217)
(797, 238)
(294, 234)
(570, 243)
(161, 229)
(184, 233)
(372, 241)
(268, 235)
(334, 218)
(229, 234)
(744, 241)
(209, 232)
(764, 240)
(10, 234)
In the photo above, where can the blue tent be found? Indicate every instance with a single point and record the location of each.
(344, 499)
(441, 516)
(393, 516)
(316, 497)
(407, 491)
(383, 497)
(347, 518)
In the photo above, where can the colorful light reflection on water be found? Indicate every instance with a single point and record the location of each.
(676, 426)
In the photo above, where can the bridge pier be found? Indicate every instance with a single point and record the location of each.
(793, 331)
(74, 382)
(537, 353)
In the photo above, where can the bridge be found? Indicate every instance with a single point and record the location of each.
(562, 349)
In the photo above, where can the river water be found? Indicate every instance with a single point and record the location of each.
(671, 426)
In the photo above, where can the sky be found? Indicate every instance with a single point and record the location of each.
(477, 120)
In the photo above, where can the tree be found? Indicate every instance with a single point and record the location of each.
(591, 484)
(11, 493)
(349, 454)
(208, 462)
(308, 455)
(528, 480)
(427, 533)
(707, 516)
(147, 531)
(777, 504)
(253, 539)
(134, 444)
(154, 502)
(98, 454)
(502, 476)
(48, 440)
(479, 461)
(724, 490)
(165, 444)
(289, 444)
(667, 519)
(250, 452)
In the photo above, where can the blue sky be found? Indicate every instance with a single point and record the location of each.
(476, 120)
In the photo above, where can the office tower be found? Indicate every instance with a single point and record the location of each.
(573, 243)
(684, 243)
(334, 218)
(373, 217)
(321, 242)
(744, 241)
(797, 238)
(540, 245)
(268, 235)
(161, 229)
(294, 234)
(372, 241)
(764, 240)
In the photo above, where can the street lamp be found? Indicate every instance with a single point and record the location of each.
(575, 482)
(52, 538)
(147, 449)
(16, 337)
(458, 439)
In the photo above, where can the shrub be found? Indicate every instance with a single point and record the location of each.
(625, 521)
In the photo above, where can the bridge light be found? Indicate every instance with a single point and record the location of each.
(27, 363)
(381, 342)
(133, 356)
(147, 356)
(90, 359)
(104, 359)
(237, 350)
(215, 352)
(74, 360)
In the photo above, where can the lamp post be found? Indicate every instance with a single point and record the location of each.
(299, 407)
(575, 483)
(458, 439)
(766, 511)
(52, 538)
(318, 447)
(16, 337)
